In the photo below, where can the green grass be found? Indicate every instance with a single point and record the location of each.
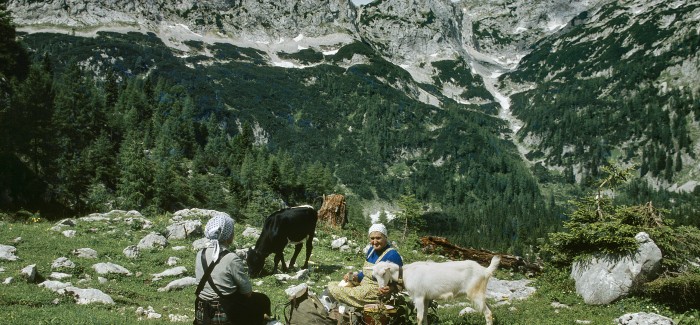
(23, 303)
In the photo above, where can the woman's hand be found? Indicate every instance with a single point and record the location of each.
(350, 277)
(384, 291)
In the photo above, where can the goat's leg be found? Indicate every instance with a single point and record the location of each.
(480, 304)
(420, 309)
(297, 249)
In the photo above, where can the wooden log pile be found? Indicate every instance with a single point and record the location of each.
(333, 212)
(440, 245)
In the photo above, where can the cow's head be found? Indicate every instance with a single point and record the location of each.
(255, 262)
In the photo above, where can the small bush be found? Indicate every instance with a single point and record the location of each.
(680, 292)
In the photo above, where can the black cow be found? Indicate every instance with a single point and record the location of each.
(282, 228)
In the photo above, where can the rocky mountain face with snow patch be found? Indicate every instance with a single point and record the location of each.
(406, 32)
(563, 65)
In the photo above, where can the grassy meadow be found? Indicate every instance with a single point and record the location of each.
(28, 303)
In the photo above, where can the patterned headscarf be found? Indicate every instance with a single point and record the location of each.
(218, 229)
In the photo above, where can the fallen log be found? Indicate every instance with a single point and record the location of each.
(440, 245)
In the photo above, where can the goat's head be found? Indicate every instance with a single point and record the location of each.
(385, 273)
(255, 262)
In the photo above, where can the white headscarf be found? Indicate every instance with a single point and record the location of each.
(218, 229)
(380, 228)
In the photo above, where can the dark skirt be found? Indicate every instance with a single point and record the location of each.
(234, 310)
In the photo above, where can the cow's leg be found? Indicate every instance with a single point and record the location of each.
(309, 247)
(297, 249)
(279, 257)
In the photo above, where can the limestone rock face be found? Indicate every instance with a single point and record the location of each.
(605, 279)
(406, 31)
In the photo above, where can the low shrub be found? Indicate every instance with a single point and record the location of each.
(679, 292)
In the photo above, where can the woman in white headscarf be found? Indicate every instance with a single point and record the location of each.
(366, 290)
(224, 294)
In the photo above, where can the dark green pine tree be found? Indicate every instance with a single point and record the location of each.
(79, 118)
(134, 186)
(14, 63)
(241, 145)
(14, 60)
(32, 111)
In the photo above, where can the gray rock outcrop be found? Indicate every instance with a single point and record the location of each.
(89, 296)
(179, 284)
(152, 240)
(29, 273)
(131, 251)
(62, 263)
(604, 279)
(110, 268)
(85, 252)
(179, 270)
(8, 253)
(184, 229)
(643, 319)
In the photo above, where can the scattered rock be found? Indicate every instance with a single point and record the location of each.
(200, 244)
(152, 240)
(179, 318)
(59, 275)
(559, 305)
(131, 251)
(8, 253)
(301, 275)
(29, 273)
(138, 223)
(170, 272)
(509, 290)
(467, 310)
(184, 229)
(643, 319)
(89, 296)
(69, 233)
(8, 280)
(179, 284)
(296, 291)
(85, 253)
(66, 222)
(172, 261)
(337, 243)
(56, 286)
(196, 213)
(62, 263)
(110, 268)
(149, 313)
(251, 232)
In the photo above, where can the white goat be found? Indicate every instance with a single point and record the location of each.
(427, 281)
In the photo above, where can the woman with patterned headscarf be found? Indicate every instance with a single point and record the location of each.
(362, 288)
(224, 294)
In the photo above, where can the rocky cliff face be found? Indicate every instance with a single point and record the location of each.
(407, 32)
